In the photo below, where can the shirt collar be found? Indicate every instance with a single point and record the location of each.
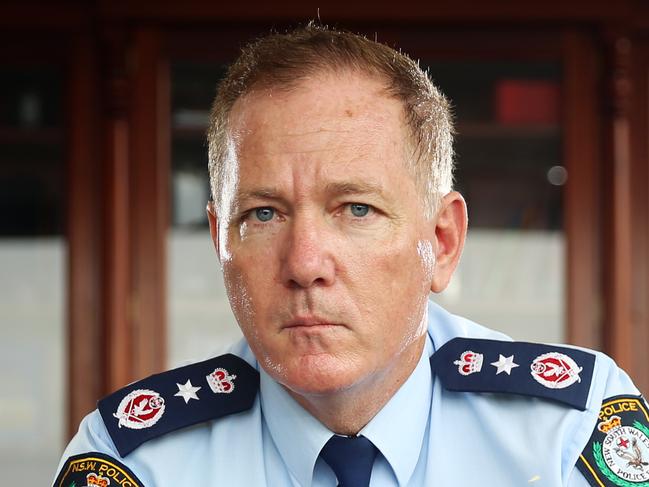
(397, 430)
(298, 435)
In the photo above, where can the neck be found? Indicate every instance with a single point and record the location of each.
(347, 411)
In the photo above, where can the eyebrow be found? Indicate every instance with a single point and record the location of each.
(259, 194)
(336, 188)
(361, 187)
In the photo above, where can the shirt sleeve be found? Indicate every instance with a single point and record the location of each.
(610, 381)
(577, 479)
(92, 442)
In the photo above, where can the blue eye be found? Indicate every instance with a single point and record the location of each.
(265, 214)
(359, 210)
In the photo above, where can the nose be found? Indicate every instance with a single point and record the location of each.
(307, 260)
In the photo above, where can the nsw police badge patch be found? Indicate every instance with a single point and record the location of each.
(618, 451)
(95, 470)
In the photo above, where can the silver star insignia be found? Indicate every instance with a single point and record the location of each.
(187, 391)
(504, 364)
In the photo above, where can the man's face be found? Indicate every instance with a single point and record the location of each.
(326, 252)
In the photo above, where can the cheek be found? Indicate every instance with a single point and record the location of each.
(250, 264)
(255, 308)
(249, 280)
(427, 258)
(243, 306)
(401, 277)
(238, 293)
(401, 266)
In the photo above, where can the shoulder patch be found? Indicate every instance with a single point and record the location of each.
(474, 365)
(95, 470)
(617, 453)
(178, 398)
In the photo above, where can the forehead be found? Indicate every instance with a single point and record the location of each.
(331, 111)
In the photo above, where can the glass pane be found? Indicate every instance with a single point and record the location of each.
(509, 169)
(200, 320)
(32, 262)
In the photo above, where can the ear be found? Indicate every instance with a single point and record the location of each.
(450, 233)
(214, 227)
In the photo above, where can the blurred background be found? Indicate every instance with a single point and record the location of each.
(107, 272)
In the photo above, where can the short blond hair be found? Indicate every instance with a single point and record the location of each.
(282, 61)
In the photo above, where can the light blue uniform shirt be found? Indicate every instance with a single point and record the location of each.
(398, 431)
(425, 434)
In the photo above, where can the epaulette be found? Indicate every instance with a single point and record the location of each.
(474, 365)
(178, 398)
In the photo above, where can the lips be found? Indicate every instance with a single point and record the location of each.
(308, 322)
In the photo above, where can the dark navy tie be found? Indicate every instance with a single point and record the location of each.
(351, 459)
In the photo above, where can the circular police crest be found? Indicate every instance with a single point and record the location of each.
(555, 370)
(140, 409)
(625, 451)
(617, 454)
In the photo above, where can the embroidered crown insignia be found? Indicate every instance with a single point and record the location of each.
(612, 423)
(469, 363)
(221, 381)
(95, 480)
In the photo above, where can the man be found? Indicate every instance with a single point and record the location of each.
(333, 220)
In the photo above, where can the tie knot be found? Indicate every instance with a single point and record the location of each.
(351, 459)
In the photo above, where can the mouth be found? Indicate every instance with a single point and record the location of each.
(306, 322)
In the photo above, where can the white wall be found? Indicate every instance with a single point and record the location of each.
(32, 359)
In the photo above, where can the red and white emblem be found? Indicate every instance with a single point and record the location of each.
(469, 363)
(555, 370)
(140, 409)
(221, 381)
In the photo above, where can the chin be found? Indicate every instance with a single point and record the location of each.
(317, 375)
(310, 388)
